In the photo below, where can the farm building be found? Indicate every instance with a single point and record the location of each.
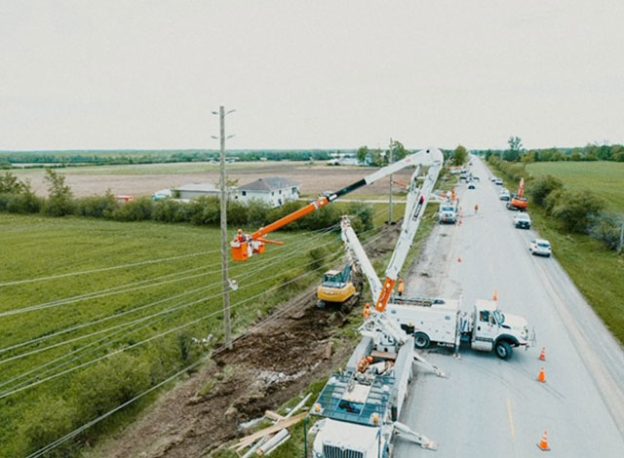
(194, 190)
(275, 191)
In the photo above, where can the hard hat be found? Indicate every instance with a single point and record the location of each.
(240, 231)
(369, 359)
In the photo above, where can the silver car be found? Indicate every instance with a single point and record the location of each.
(540, 247)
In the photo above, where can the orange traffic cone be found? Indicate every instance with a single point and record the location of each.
(541, 377)
(542, 356)
(543, 444)
(495, 296)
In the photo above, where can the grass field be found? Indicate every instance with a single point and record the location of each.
(606, 179)
(596, 271)
(63, 303)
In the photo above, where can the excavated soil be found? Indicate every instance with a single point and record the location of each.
(269, 365)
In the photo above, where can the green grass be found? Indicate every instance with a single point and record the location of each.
(34, 247)
(606, 179)
(596, 271)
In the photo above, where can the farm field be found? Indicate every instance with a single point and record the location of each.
(606, 179)
(144, 180)
(74, 290)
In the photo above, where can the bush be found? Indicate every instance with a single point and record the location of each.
(542, 187)
(237, 214)
(96, 206)
(258, 213)
(108, 384)
(48, 420)
(607, 228)
(58, 206)
(22, 203)
(575, 209)
(361, 217)
(205, 210)
(317, 258)
(171, 211)
(137, 210)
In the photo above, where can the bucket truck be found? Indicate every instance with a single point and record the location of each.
(246, 245)
(359, 407)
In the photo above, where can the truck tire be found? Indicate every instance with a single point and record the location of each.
(421, 340)
(503, 349)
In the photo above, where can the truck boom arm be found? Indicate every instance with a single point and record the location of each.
(244, 246)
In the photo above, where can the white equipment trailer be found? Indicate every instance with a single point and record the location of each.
(360, 406)
(441, 321)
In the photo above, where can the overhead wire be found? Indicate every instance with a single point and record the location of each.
(202, 300)
(105, 415)
(260, 267)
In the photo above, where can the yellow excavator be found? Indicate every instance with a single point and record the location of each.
(338, 287)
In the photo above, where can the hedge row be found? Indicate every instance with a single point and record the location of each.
(201, 211)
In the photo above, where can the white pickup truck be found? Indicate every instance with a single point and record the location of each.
(441, 321)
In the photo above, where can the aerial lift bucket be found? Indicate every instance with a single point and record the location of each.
(240, 251)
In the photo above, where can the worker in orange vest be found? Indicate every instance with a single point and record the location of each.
(401, 288)
(240, 237)
(367, 311)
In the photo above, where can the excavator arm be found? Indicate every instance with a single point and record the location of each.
(244, 245)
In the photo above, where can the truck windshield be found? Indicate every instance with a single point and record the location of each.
(500, 317)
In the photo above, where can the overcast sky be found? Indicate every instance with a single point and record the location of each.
(310, 74)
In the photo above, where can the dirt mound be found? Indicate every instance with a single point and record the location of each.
(268, 366)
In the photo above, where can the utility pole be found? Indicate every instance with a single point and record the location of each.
(390, 153)
(227, 322)
(621, 245)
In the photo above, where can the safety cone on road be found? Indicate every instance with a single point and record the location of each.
(495, 296)
(542, 356)
(541, 377)
(543, 444)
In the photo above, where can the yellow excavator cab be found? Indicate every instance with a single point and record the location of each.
(337, 287)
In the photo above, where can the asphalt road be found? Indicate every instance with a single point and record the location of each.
(491, 408)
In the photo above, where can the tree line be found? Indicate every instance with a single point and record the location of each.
(81, 158)
(590, 152)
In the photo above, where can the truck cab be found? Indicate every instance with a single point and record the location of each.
(448, 212)
(494, 330)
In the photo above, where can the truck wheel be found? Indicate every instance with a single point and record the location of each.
(503, 350)
(421, 340)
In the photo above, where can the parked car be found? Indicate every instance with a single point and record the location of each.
(498, 182)
(493, 179)
(471, 185)
(504, 195)
(522, 221)
(540, 247)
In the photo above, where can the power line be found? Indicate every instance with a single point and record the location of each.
(279, 258)
(103, 269)
(84, 427)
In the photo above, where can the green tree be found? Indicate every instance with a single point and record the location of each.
(398, 151)
(60, 197)
(10, 184)
(515, 149)
(460, 155)
(362, 154)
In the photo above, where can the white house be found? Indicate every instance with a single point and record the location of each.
(275, 191)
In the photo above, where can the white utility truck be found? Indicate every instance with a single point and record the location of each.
(442, 322)
(448, 212)
(360, 406)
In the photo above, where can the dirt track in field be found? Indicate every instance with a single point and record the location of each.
(145, 180)
(273, 363)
